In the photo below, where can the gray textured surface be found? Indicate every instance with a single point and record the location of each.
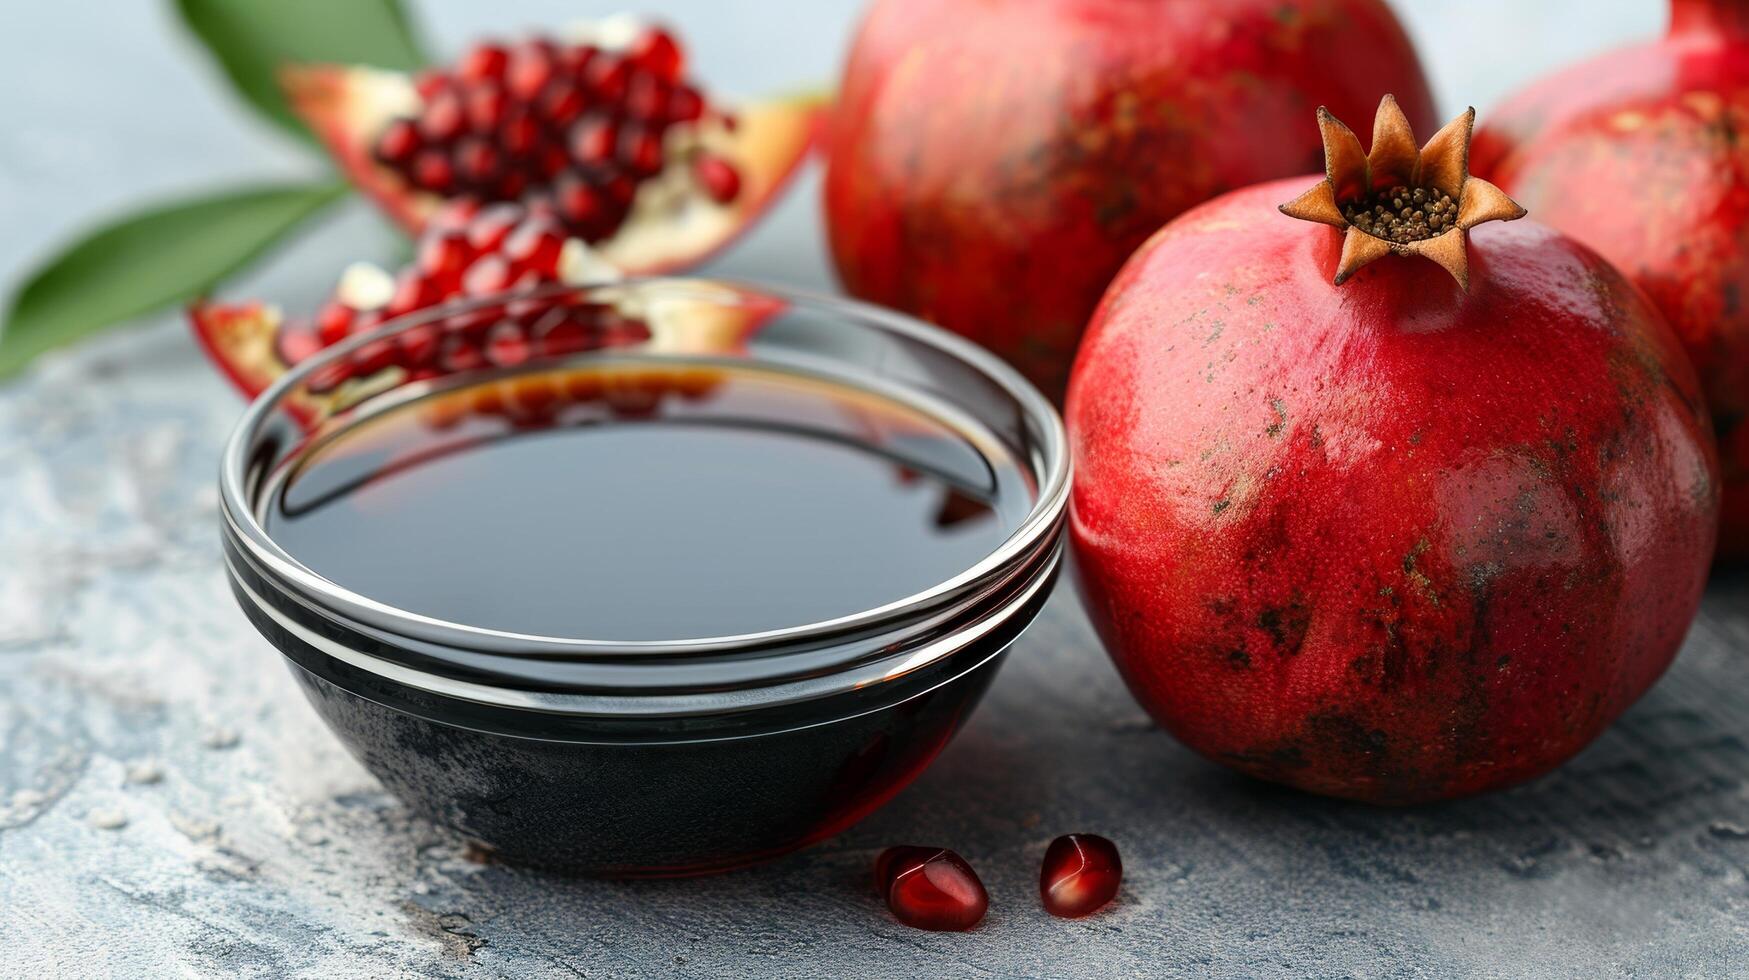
(262, 849)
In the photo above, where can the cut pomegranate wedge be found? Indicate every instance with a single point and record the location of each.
(467, 251)
(603, 131)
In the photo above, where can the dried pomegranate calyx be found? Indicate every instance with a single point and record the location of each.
(1397, 199)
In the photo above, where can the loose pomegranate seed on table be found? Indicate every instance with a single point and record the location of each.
(930, 888)
(1080, 875)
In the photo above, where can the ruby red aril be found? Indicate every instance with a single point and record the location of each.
(1080, 875)
(719, 180)
(930, 888)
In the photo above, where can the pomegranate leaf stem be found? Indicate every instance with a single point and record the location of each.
(253, 39)
(150, 260)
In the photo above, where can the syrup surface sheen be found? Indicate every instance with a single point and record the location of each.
(641, 503)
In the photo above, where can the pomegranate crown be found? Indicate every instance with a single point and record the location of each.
(1400, 199)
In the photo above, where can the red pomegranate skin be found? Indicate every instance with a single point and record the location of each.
(1640, 154)
(1385, 540)
(991, 164)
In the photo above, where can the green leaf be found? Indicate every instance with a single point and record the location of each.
(148, 261)
(253, 39)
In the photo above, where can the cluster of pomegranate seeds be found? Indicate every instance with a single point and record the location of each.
(1080, 875)
(1403, 214)
(467, 251)
(931, 888)
(934, 888)
(576, 126)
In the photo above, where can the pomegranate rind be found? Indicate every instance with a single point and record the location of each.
(347, 107)
(239, 339)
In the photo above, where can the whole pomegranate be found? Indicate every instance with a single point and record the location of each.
(1639, 154)
(992, 164)
(1395, 539)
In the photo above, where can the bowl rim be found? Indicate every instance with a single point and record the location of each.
(1037, 534)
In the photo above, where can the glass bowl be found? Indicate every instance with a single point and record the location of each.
(653, 756)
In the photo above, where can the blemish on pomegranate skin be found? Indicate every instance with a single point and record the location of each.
(930, 888)
(1080, 875)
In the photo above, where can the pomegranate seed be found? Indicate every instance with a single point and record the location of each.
(506, 346)
(578, 203)
(1080, 875)
(720, 180)
(366, 321)
(574, 62)
(372, 357)
(534, 246)
(528, 310)
(430, 82)
(486, 62)
(487, 105)
(413, 291)
(443, 255)
(593, 140)
(458, 353)
(641, 149)
(684, 104)
(559, 333)
(561, 103)
(477, 159)
(552, 162)
(607, 77)
(328, 377)
(520, 132)
(659, 54)
(486, 233)
(418, 346)
(432, 171)
(334, 322)
(512, 184)
(647, 99)
(295, 343)
(621, 190)
(399, 141)
(489, 274)
(443, 118)
(930, 888)
(530, 69)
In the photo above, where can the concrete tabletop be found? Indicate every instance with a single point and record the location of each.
(170, 806)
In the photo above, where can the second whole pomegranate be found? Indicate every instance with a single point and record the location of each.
(1638, 154)
(992, 164)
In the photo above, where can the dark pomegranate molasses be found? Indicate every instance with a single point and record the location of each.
(635, 502)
